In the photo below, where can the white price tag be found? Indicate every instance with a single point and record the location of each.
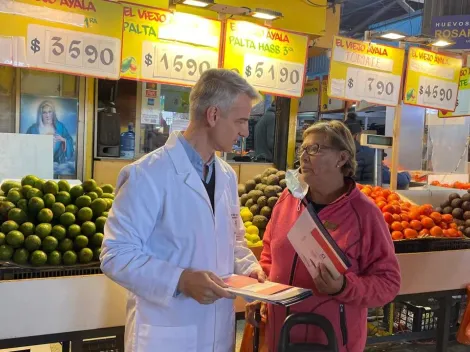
(277, 75)
(73, 52)
(175, 63)
(437, 94)
(372, 86)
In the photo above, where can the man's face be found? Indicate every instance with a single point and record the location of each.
(47, 115)
(231, 124)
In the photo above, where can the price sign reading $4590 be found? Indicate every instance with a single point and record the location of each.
(437, 92)
(74, 52)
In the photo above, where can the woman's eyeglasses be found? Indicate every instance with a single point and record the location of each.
(313, 149)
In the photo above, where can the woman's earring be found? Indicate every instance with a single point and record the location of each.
(337, 165)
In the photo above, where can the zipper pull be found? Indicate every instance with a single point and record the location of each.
(298, 204)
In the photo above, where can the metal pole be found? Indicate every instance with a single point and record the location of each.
(378, 167)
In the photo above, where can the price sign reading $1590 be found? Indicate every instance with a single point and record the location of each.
(74, 52)
(174, 63)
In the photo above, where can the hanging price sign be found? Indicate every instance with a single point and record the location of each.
(362, 71)
(432, 80)
(273, 61)
(328, 104)
(159, 46)
(82, 38)
(463, 98)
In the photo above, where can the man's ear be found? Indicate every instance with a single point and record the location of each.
(212, 115)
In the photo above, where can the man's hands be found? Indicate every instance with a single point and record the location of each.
(258, 274)
(203, 286)
(326, 284)
(250, 310)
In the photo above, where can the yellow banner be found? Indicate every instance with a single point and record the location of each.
(463, 99)
(72, 36)
(159, 46)
(273, 61)
(311, 98)
(365, 71)
(432, 80)
(328, 104)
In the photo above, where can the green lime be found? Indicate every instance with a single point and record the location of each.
(6, 252)
(85, 256)
(8, 226)
(85, 214)
(99, 223)
(58, 209)
(7, 185)
(5, 207)
(67, 219)
(88, 228)
(2, 238)
(107, 188)
(99, 192)
(64, 186)
(81, 241)
(23, 205)
(92, 195)
(54, 258)
(45, 215)
(59, 232)
(99, 206)
(64, 198)
(108, 195)
(3, 198)
(21, 256)
(105, 214)
(29, 180)
(51, 187)
(27, 228)
(25, 190)
(96, 253)
(50, 244)
(34, 192)
(96, 240)
(14, 195)
(43, 230)
(38, 258)
(17, 215)
(32, 243)
(76, 191)
(65, 245)
(109, 203)
(71, 208)
(49, 200)
(89, 185)
(15, 239)
(36, 204)
(69, 258)
(39, 184)
(73, 231)
(83, 201)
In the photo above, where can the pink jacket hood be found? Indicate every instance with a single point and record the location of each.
(373, 279)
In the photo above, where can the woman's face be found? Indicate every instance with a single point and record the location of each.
(47, 115)
(323, 166)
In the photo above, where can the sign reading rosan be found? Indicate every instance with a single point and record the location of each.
(273, 61)
(365, 71)
(72, 36)
(160, 46)
(455, 28)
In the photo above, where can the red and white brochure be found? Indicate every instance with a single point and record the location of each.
(314, 245)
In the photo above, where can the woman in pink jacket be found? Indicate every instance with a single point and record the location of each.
(357, 225)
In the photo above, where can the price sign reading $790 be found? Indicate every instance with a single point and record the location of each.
(73, 52)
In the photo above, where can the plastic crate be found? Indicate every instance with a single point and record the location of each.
(431, 245)
(20, 273)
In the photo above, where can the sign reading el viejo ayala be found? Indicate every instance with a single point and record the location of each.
(159, 46)
(365, 71)
(73, 36)
(463, 99)
(273, 61)
(432, 80)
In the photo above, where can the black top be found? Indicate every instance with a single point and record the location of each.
(210, 188)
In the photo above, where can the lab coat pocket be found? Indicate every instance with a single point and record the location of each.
(163, 338)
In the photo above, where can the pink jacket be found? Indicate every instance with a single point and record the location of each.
(372, 281)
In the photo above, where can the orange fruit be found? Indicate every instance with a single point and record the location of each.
(386, 193)
(444, 226)
(436, 231)
(405, 224)
(437, 218)
(426, 209)
(388, 218)
(427, 223)
(415, 224)
(397, 235)
(381, 205)
(389, 209)
(460, 233)
(393, 197)
(410, 233)
(453, 225)
(405, 217)
(447, 218)
(367, 191)
(424, 232)
(453, 233)
(396, 217)
(397, 226)
(414, 215)
(380, 199)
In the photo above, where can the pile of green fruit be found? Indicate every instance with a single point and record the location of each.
(51, 223)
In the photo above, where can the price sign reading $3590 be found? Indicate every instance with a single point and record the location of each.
(74, 52)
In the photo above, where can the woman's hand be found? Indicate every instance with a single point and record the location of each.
(251, 309)
(326, 284)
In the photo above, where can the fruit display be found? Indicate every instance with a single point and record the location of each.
(51, 223)
(257, 199)
(458, 207)
(408, 221)
(457, 185)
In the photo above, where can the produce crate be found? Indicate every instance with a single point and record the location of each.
(14, 272)
(430, 244)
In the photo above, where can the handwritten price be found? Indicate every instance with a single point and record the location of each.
(436, 92)
(284, 74)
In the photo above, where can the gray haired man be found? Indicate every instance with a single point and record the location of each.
(174, 231)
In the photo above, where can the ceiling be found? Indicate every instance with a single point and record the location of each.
(357, 15)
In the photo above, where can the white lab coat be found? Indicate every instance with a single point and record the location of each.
(161, 223)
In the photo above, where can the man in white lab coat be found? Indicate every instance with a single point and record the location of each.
(174, 229)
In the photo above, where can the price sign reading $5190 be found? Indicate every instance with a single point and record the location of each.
(176, 63)
(74, 52)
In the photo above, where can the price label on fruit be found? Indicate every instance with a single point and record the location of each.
(432, 80)
(159, 46)
(176, 63)
(273, 61)
(73, 52)
(362, 71)
(463, 98)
